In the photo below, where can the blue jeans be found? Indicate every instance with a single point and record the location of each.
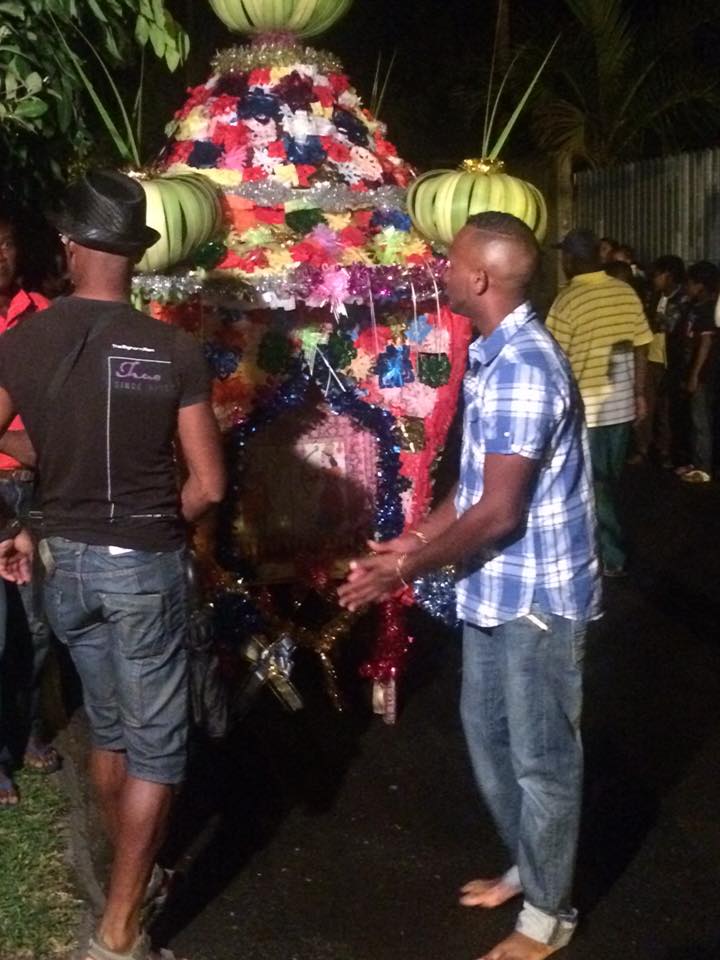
(16, 497)
(702, 415)
(124, 618)
(521, 707)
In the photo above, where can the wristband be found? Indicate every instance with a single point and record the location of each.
(420, 535)
(10, 529)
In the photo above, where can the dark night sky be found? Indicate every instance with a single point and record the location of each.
(441, 45)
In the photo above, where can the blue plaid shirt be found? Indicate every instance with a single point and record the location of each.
(520, 397)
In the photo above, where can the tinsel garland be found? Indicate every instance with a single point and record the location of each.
(274, 52)
(329, 197)
(381, 284)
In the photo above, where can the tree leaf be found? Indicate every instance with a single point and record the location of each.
(31, 108)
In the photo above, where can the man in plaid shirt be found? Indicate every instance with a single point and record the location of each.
(520, 527)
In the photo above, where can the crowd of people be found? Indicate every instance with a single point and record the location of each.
(623, 366)
(682, 386)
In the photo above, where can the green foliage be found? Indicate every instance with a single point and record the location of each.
(627, 87)
(40, 912)
(46, 102)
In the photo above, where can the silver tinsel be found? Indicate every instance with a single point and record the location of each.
(329, 197)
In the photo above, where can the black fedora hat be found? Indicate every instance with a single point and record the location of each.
(106, 211)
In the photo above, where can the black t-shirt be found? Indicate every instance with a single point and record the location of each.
(699, 321)
(106, 465)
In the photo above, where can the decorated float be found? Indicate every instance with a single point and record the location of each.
(287, 249)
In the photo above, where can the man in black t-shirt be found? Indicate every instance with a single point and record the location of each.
(104, 391)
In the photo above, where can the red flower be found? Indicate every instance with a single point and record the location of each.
(362, 218)
(270, 215)
(277, 149)
(359, 187)
(253, 173)
(339, 82)
(308, 252)
(196, 95)
(383, 148)
(259, 76)
(304, 172)
(352, 237)
(335, 150)
(223, 104)
(252, 261)
(324, 96)
(230, 136)
(180, 152)
(418, 259)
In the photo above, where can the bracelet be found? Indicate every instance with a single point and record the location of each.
(420, 535)
(398, 570)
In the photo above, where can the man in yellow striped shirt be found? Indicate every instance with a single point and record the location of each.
(600, 324)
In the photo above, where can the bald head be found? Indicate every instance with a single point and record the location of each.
(492, 262)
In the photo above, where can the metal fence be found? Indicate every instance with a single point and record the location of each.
(670, 205)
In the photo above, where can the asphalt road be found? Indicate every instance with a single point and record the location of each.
(327, 836)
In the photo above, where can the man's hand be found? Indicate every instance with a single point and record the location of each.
(372, 578)
(692, 385)
(641, 408)
(16, 558)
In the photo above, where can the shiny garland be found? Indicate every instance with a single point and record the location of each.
(274, 52)
(382, 284)
(326, 196)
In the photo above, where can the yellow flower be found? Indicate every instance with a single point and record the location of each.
(320, 111)
(287, 173)
(279, 258)
(277, 73)
(338, 221)
(356, 255)
(194, 126)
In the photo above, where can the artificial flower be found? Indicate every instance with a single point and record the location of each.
(324, 95)
(368, 164)
(287, 173)
(233, 84)
(360, 367)
(253, 174)
(236, 158)
(352, 128)
(180, 152)
(224, 104)
(307, 151)
(336, 151)
(383, 148)
(295, 91)
(277, 73)
(339, 82)
(196, 96)
(352, 237)
(275, 215)
(261, 131)
(278, 258)
(195, 126)
(205, 154)
(259, 77)
(304, 172)
(261, 106)
(338, 221)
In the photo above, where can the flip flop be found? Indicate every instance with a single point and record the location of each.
(142, 950)
(41, 758)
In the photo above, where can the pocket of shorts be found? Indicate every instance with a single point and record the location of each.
(138, 621)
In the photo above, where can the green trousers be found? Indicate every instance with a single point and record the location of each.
(608, 452)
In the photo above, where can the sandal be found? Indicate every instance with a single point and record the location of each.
(9, 796)
(41, 758)
(141, 951)
(157, 893)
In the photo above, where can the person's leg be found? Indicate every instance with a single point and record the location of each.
(543, 696)
(643, 431)
(663, 430)
(8, 793)
(608, 451)
(487, 734)
(108, 772)
(39, 755)
(149, 663)
(701, 414)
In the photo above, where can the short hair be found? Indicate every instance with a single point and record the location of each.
(626, 250)
(503, 225)
(609, 240)
(669, 263)
(619, 269)
(706, 273)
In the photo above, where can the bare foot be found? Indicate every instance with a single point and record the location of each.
(519, 947)
(491, 893)
(8, 793)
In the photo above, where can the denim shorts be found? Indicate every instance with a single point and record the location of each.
(124, 619)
